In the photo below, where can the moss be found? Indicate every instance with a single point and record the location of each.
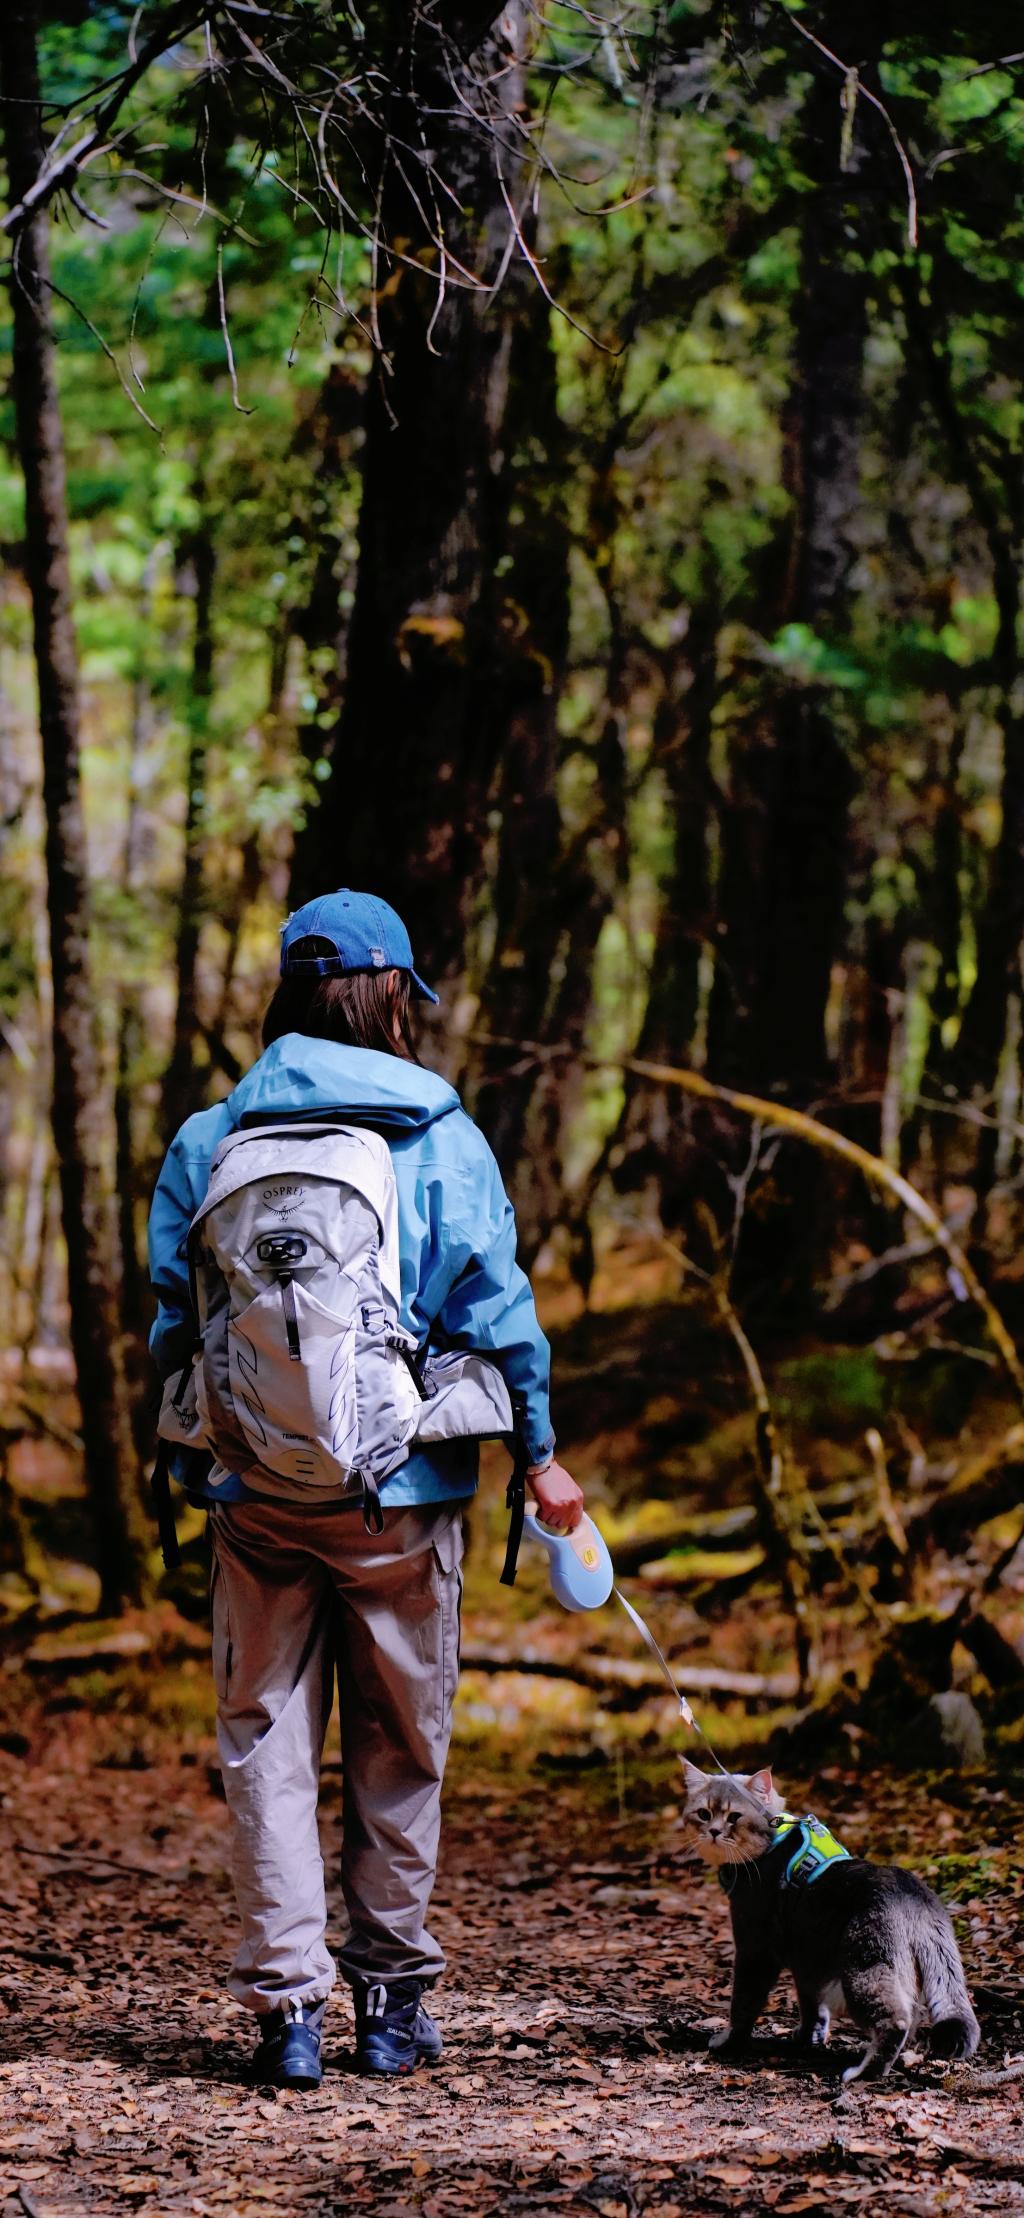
(832, 1389)
(964, 1874)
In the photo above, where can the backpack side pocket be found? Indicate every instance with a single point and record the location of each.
(181, 1417)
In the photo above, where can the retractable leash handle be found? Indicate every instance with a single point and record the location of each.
(581, 1568)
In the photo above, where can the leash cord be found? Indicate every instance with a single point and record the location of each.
(685, 1711)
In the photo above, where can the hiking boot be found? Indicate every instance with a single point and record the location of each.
(289, 2048)
(393, 2031)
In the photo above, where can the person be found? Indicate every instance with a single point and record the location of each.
(300, 1587)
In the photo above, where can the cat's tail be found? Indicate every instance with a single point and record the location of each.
(954, 2028)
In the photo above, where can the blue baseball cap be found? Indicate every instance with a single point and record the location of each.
(366, 934)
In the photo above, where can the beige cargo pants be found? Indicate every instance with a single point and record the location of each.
(297, 1594)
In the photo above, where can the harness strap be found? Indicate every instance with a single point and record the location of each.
(814, 1849)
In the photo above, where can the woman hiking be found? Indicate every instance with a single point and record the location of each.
(304, 1582)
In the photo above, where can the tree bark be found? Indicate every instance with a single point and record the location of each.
(539, 893)
(783, 813)
(454, 644)
(651, 1145)
(80, 1106)
(180, 1092)
(784, 817)
(972, 1065)
(135, 1294)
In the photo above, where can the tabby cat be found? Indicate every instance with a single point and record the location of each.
(869, 1936)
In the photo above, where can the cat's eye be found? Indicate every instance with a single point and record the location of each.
(703, 1813)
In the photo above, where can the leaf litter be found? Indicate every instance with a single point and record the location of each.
(575, 2076)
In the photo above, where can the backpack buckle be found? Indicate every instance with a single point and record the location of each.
(281, 1248)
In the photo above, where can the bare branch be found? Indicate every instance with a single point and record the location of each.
(1003, 61)
(108, 350)
(228, 348)
(849, 75)
(53, 176)
(533, 264)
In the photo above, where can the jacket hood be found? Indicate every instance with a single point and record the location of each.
(299, 1076)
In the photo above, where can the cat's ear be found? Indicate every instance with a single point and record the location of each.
(760, 1783)
(694, 1777)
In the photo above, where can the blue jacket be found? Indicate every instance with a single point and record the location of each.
(461, 1284)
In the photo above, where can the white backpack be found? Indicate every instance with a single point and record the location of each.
(303, 1379)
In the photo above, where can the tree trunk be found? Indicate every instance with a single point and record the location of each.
(453, 646)
(972, 1065)
(80, 1107)
(135, 1294)
(783, 819)
(652, 1146)
(180, 1091)
(534, 894)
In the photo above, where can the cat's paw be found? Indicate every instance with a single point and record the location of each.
(725, 2038)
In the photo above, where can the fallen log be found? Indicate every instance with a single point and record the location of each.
(720, 1529)
(701, 1567)
(621, 1675)
(1001, 1662)
(984, 1486)
(52, 1652)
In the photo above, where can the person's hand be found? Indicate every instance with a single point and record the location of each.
(559, 1500)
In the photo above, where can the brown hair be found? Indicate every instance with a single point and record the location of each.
(358, 1009)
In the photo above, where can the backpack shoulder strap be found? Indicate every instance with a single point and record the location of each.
(160, 1487)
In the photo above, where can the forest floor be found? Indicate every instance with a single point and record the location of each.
(588, 1956)
(588, 1961)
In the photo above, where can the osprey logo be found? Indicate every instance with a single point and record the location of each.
(284, 1199)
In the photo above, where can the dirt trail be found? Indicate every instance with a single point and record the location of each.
(586, 1961)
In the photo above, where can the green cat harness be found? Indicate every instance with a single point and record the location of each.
(814, 1849)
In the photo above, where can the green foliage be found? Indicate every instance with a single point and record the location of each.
(678, 238)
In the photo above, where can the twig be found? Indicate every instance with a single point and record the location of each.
(874, 102)
(109, 1863)
(51, 1426)
(53, 177)
(908, 1251)
(228, 348)
(988, 2083)
(532, 263)
(108, 350)
(1003, 61)
(854, 1577)
(888, 1515)
(770, 1465)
